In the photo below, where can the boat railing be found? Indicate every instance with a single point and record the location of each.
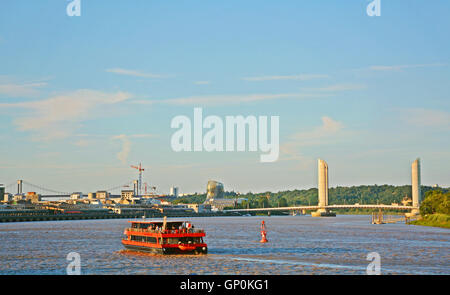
(167, 231)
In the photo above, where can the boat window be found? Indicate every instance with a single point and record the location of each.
(191, 240)
(172, 240)
(151, 240)
(138, 238)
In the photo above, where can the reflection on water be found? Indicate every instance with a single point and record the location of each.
(297, 245)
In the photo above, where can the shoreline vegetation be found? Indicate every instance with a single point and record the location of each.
(434, 220)
(435, 210)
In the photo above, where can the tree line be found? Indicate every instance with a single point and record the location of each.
(435, 201)
(363, 194)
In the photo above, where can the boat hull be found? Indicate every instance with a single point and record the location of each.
(166, 250)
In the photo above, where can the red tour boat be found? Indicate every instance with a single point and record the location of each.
(174, 237)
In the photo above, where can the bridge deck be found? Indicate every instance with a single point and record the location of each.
(394, 207)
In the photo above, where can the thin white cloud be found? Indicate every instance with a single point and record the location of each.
(337, 88)
(202, 82)
(402, 67)
(301, 77)
(231, 99)
(20, 90)
(143, 135)
(329, 128)
(126, 148)
(82, 143)
(135, 73)
(421, 117)
(60, 115)
(329, 132)
(126, 144)
(227, 99)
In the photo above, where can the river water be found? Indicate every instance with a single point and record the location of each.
(297, 245)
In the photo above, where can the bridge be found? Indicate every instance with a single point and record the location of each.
(324, 209)
(328, 207)
(23, 186)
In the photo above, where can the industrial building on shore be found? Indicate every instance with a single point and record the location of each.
(103, 203)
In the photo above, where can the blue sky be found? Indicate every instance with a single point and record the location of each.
(83, 98)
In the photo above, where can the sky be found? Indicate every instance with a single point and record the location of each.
(84, 97)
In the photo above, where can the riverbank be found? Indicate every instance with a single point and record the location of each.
(56, 217)
(338, 212)
(436, 220)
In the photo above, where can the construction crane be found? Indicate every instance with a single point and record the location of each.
(140, 169)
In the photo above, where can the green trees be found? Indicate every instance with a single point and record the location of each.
(263, 202)
(243, 205)
(435, 209)
(363, 194)
(194, 199)
(282, 202)
(435, 202)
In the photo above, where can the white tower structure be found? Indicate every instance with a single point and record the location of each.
(323, 182)
(174, 191)
(415, 183)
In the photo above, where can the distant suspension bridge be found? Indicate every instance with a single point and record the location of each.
(23, 186)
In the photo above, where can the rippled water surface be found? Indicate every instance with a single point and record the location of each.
(297, 245)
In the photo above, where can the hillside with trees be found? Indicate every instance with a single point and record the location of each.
(363, 194)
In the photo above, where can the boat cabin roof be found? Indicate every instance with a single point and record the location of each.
(153, 222)
(160, 223)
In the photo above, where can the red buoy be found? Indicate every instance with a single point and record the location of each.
(263, 233)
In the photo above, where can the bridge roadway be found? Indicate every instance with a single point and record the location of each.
(368, 206)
